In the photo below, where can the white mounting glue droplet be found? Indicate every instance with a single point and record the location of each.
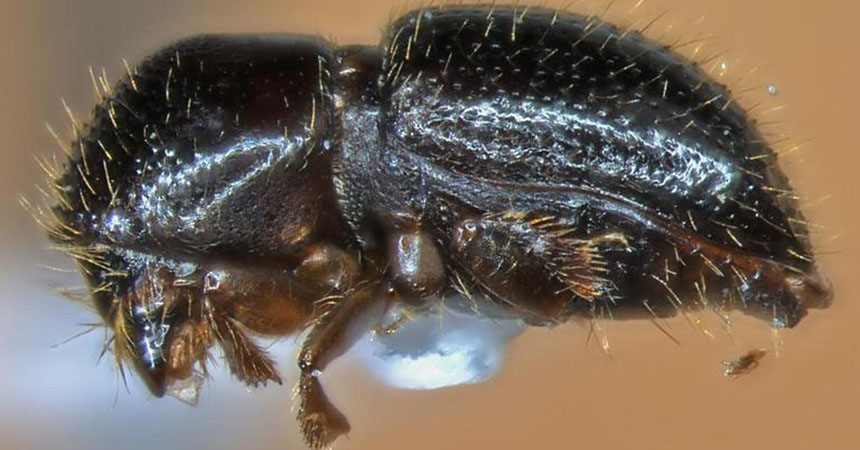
(429, 353)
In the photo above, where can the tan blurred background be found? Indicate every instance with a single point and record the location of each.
(555, 392)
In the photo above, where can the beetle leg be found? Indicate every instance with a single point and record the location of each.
(268, 301)
(532, 263)
(399, 321)
(335, 331)
(247, 361)
(416, 271)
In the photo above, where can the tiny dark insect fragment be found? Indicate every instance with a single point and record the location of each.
(745, 364)
(551, 164)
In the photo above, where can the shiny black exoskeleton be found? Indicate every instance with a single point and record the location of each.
(541, 164)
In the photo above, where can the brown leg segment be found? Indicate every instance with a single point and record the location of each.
(334, 333)
(532, 264)
(416, 269)
(248, 362)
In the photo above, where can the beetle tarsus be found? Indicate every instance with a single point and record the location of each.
(320, 421)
